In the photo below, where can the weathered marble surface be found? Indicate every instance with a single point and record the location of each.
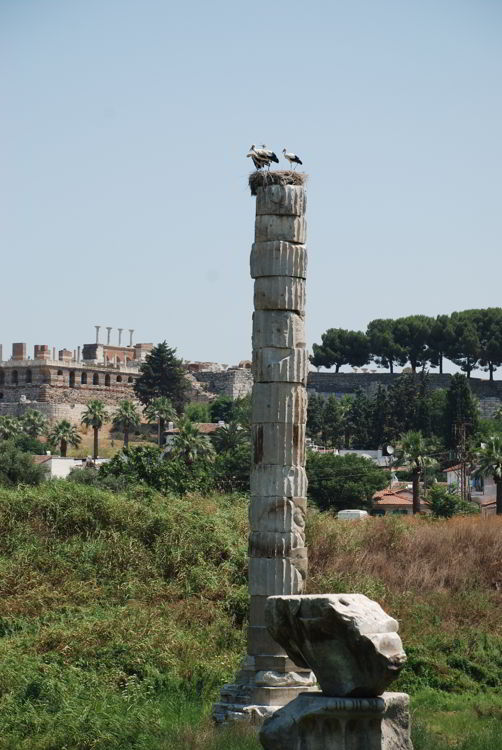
(317, 722)
(349, 642)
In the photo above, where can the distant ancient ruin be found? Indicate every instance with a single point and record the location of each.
(59, 383)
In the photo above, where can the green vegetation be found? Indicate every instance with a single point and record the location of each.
(95, 416)
(159, 411)
(445, 502)
(489, 459)
(162, 375)
(62, 435)
(122, 614)
(126, 418)
(470, 339)
(370, 421)
(17, 467)
(340, 482)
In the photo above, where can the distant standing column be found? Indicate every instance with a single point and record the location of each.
(97, 333)
(131, 331)
(277, 552)
(109, 329)
(120, 334)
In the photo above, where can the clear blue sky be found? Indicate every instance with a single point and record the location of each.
(124, 129)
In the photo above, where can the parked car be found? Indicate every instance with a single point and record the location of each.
(352, 515)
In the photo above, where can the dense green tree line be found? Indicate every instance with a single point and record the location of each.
(471, 339)
(409, 404)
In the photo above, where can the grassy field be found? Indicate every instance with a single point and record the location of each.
(122, 614)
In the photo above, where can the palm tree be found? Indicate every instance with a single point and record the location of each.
(34, 423)
(64, 434)
(95, 416)
(229, 437)
(126, 418)
(9, 427)
(412, 450)
(160, 410)
(189, 444)
(489, 459)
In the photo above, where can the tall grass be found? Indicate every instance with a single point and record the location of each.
(121, 615)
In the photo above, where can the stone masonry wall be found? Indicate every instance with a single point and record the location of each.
(234, 383)
(53, 412)
(346, 383)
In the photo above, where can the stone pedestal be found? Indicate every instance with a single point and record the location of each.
(317, 722)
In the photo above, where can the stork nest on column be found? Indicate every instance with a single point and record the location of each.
(263, 178)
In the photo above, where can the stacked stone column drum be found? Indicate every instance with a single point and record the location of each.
(277, 552)
(268, 678)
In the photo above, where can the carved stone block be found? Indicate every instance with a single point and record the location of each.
(348, 640)
(268, 575)
(278, 443)
(316, 722)
(271, 365)
(274, 543)
(286, 228)
(278, 328)
(288, 200)
(278, 481)
(279, 293)
(278, 259)
(277, 514)
(279, 402)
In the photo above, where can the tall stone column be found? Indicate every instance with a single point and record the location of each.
(277, 552)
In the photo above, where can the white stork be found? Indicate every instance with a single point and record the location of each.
(258, 161)
(292, 158)
(262, 156)
(267, 154)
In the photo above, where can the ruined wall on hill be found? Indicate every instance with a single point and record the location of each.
(234, 383)
(346, 383)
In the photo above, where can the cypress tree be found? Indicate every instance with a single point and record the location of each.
(162, 374)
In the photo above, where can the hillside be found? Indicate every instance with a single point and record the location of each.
(121, 615)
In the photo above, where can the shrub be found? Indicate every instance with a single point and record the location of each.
(445, 502)
(17, 467)
(337, 482)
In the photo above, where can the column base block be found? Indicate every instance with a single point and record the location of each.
(253, 703)
(317, 722)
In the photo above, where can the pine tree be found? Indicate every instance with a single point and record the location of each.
(162, 375)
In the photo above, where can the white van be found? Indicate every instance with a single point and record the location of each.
(352, 515)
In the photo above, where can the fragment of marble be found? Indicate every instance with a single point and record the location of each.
(348, 641)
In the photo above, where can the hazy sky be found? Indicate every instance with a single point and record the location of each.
(124, 128)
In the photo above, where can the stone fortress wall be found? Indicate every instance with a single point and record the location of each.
(60, 384)
(326, 384)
